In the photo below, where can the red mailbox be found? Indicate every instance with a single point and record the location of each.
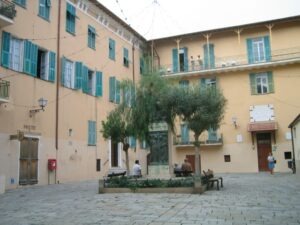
(52, 164)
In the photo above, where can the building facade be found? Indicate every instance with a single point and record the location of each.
(73, 54)
(257, 67)
(295, 129)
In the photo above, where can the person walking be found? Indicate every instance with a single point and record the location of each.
(271, 163)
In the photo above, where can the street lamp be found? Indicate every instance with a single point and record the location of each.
(42, 103)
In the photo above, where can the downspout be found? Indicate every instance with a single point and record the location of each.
(293, 147)
(57, 85)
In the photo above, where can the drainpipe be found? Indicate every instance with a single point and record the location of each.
(293, 147)
(57, 84)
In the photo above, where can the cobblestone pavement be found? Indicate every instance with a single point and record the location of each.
(246, 199)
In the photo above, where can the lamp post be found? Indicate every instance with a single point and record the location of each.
(42, 103)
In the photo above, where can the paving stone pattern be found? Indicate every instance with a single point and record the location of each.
(246, 199)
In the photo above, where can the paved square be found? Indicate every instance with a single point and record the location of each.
(245, 199)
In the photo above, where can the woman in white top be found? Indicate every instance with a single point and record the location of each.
(137, 170)
(271, 163)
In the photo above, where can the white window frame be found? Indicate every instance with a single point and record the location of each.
(258, 46)
(92, 83)
(69, 66)
(16, 54)
(210, 82)
(261, 81)
(45, 75)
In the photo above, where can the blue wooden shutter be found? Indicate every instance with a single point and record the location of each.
(184, 134)
(78, 75)
(206, 50)
(175, 60)
(85, 73)
(111, 46)
(270, 82)
(118, 97)
(132, 142)
(34, 55)
(250, 51)
(91, 132)
(209, 56)
(142, 66)
(253, 86)
(63, 64)
(71, 15)
(125, 57)
(48, 2)
(186, 61)
(27, 57)
(112, 89)
(212, 135)
(98, 83)
(91, 36)
(5, 49)
(212, 56)
(51, 72)
(267, 48)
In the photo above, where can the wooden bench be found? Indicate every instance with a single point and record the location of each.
(182, 173)
(209, 176)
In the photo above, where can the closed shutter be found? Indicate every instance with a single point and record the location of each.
(78, 75)
(91, 132)
(111, 49)
(112, 89)
(98, 83)
(186, 61)
(212, 135)
(175, 60)
(270, 82)
(212, 55)
(48, 2)
(184, 134)
(34, 55)
(209, 56)
(118, 97)
(132, 142)
(71, 15)
(267, 48)
(250, 51)
(85, 87)
(203, 83)
(142, 66)
(52, 59)
(252, 77)
(5, 49)
(63, 65)
(27, 57)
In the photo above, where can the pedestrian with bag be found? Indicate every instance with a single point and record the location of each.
(271, 162)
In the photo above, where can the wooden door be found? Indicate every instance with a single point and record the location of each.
(28, 161)
(263, 149)
(114, 154)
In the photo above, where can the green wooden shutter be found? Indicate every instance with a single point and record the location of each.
(48, 2)
(85, 73)
(184, 134)
(27, 57)
(78, 75)
(175, 60)
(5, 49)
(267, 48)
(91, 132)
(250, 51)
(186, 61)
(118, 97)
(132, 142)
(212, 55)
(112, 89)
(125, 57)
(111, 45)
(132, 95)
(209, 56)
(270, 82)
(98, 83)
(34, 55)
(51, 72)
(91, 37)
(206, 50)
(63, 64)
(252, 77)
(71, 16)
(142, 66)
(212, 135)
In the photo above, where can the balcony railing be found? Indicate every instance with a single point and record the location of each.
(4, 91)
(7, 9)
(232, 62)
(205, 139)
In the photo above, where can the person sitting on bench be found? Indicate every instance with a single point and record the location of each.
(137, 170)
(186, 167)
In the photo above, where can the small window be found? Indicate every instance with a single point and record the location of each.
(92, 132)
(125, 57)
(261, 83)
(91, 37)
(68, 74)
(20, 2)
(114, 90)
(70, 18)
(44, 8)
(287, 155)
(98, 165)
(111, 49)
(227, 158)
(184, 83)
(91, 82)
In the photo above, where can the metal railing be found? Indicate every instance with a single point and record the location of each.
(7, 9)
(205, 139)
(230, 62)
(4, 89)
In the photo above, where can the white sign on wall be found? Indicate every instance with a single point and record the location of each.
(262, 113)
(239, 138)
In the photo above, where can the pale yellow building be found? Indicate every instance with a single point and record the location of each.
(295, 131)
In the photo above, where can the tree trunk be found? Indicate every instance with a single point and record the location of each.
(125, 148)
(197, 157)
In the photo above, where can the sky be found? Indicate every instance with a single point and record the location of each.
(162, 18)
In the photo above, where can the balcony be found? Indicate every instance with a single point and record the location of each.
(205, 140)
(4, 91)
(233, 63)
(7, 13)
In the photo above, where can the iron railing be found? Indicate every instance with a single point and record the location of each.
(205, 139)
(7, 9)
(4, 89)
(230, 62)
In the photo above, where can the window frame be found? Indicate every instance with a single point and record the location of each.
(46, 9)
(269, 83)
(21, 3)
(91, 37)
(112, 49)
(70, 19)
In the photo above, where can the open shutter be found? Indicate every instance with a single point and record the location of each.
(186, 61)
(253, 83)
(52, 59)
(270, 82)
(111, 46)
(126, 57)
(27, 57)
(112, 89)
(209, 56)
(48, 2)
(63, 64)
(34, 55)
(78, 75)
(267, 48)
(142, 66)
(118, 97)
(206, 50)
(250, 51)
(175, 60)
(98, 83)
(212, 56)
(90, 132)
(85, 72)
(5, 49)
(184, 134)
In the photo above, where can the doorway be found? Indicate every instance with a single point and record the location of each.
(114, 154)
(28, 171)
(264, 147)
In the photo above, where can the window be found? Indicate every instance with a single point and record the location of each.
(46, 65)
(184, 134)
(227, 158)
(184, 83)
(128, 95)
(92, 82)
(287, 155)
(70, 18)
(44, 8)
(180, 60)
(132, 142)
(16, 54)
(209, 56)
(68, 74)
(91, 132)
(91, 37)
(112, 46)
(143, 144)
(208, 82)
(142, 66)
(114, 90)
(212, 136)
(258, 49)
(20, 2)
(261, 83)
(125, 57)
(98, 165)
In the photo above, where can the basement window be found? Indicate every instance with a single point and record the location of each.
(227, 158)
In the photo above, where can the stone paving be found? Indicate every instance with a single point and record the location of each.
(246, 199)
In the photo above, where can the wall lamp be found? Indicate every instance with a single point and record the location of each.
(42, 103)
(234, 121)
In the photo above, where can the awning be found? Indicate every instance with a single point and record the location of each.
(262, 126)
